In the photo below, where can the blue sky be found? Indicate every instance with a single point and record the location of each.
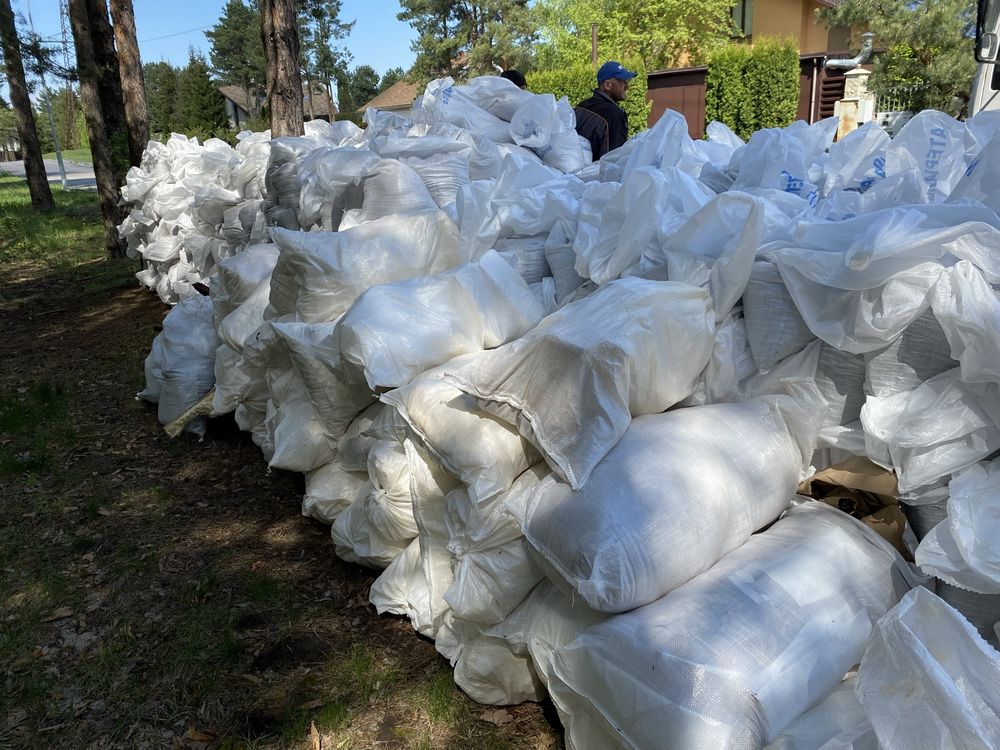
(166, 29)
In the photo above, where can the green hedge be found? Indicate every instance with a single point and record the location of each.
(578, 82)
(749, 88)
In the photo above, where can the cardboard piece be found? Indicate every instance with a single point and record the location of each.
(866, 491)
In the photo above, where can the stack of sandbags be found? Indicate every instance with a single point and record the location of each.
(193, 205)
(559, 407)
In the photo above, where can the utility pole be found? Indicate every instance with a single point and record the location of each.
(48, 110)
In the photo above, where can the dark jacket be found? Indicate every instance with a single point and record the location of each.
(601, 121)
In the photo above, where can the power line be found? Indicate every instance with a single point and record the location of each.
(178, 33)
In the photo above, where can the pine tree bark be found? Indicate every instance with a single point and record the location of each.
(100, 149)
(132, 83)
(109, 83)
(281, 52)
(31, 152)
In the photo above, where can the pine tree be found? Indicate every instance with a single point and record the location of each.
(201, 109)
(161, 97)
(34, 167)
(237, 53)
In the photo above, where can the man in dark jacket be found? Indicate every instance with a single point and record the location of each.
(599, 119)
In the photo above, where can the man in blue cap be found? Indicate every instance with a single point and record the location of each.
(599, 119)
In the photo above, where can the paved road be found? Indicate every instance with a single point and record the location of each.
(78, 176)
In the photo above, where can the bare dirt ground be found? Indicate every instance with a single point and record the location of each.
(159, 593)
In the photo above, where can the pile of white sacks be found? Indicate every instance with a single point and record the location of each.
(566, 406)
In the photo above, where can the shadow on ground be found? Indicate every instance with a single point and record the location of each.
(167, 593)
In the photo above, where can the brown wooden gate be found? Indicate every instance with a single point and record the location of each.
(683, 90)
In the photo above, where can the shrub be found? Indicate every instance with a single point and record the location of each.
(749, 88)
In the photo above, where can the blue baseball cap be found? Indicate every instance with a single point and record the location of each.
(613, 69)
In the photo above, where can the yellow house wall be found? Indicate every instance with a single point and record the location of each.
(815, 36)
(790, 18)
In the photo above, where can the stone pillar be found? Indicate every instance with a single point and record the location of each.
(858, 105)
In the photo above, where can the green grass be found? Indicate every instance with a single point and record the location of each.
(75, 155)
(441, 694)
(365, 674)
(60, 239)
(32, 418)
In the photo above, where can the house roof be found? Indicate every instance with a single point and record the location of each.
(321, 100)
(398, 96)
(321, 103)
(236, 95)
(831, 3)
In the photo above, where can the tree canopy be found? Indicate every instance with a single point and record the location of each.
(390, 77)
(660, 33)
(928, 48)
(471, 37)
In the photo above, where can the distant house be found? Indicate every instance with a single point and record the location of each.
(397, 98)
(790, 18)
(321, 107)
(238, 106)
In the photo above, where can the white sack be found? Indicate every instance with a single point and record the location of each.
(486, 668)
(319, 274)
(648, 203)
(188, 345)
(230, 380)
(859, 283)
(572, 383)
(355, 444)
(934, 430)
(442, 101)
(734, 656)
(430, 485)
(394, 332)
(678, 492)
(964, 549)
(543, 623)
(300, 441)
(838, 722)
(920, 353)
(496, 95)
(968, 309)
(246, 319)
(934, 145)
(330, 184)
(329, 490)
(775, 329)
(393, 189)
(493, 567)
(239, 275)
(486, 453)
(314, 355)
(928, 680)
(840, 377)
(729, 367)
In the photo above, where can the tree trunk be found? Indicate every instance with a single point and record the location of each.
(110, 85)
(133, 85)
(329, 101)
(309, 88)
(90, 96)
(31, 152)
(281, 51)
